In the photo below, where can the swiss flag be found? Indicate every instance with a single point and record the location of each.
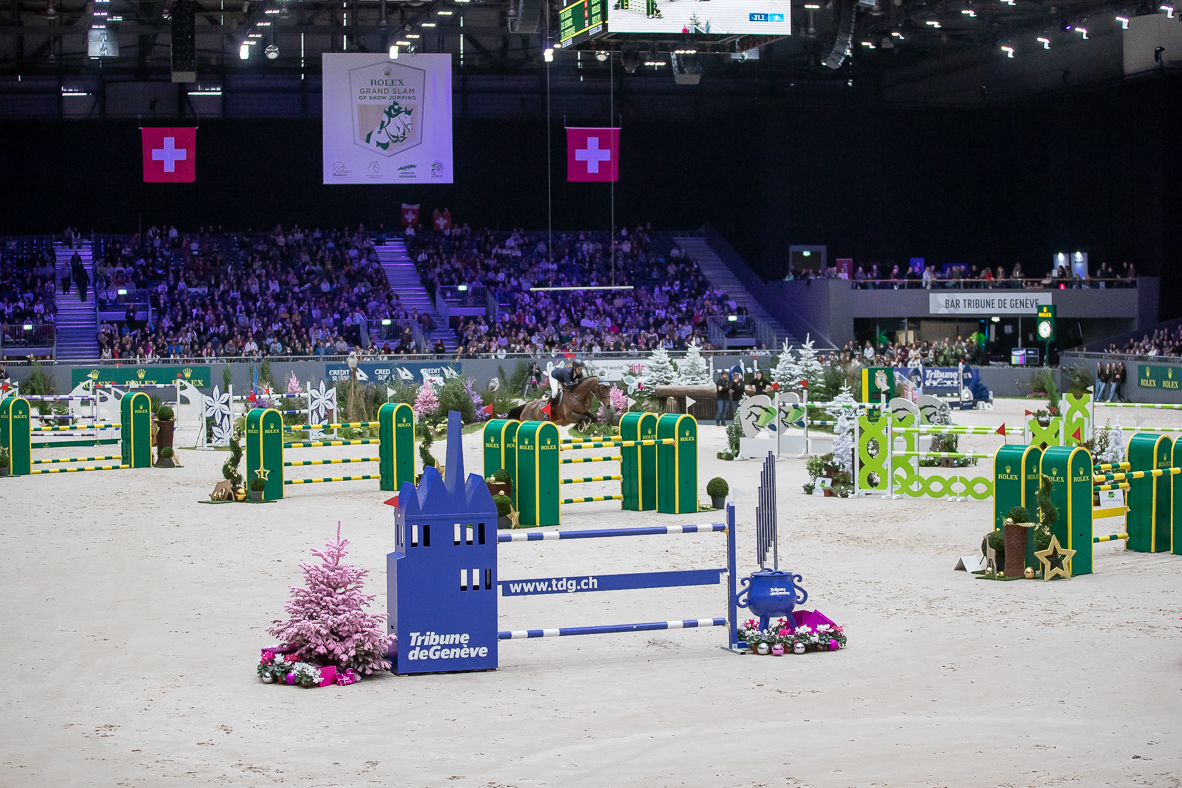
(410, 215)
(170, 154)
(592, 154)
(442, 220)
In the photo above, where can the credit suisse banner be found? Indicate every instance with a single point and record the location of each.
(985, 303)
(387, 121)
(412, 372)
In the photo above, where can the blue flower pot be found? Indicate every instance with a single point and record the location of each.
(770, 594)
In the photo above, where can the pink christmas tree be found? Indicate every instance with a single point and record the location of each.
(293, 385)
(328, 623)
(426, 402)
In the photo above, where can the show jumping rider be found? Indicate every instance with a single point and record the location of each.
(567, 376)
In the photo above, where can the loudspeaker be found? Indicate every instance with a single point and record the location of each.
(184, 41)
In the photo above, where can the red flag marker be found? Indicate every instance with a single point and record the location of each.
(1077, 434)
(488, 409)
(1001, 430)
(546, 410)
(1029, 412)
(393, 501)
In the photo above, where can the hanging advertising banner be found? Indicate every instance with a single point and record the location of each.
(392, 372)
(985, 303)
(387, 121)
(154, 374)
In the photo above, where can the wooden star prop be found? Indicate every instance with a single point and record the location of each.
(262, 473)
(1056, 560)
(514, 518)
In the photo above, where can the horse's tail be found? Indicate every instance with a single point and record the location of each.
(515, 413)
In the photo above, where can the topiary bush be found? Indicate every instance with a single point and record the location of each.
(504, 505)
(166, 452)
(165, 413)
(502, 476)
(717, 487)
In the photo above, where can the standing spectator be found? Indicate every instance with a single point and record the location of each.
(1101, 387)
(722, 399)
(1117, 382)
(738, 390)
(760, 383)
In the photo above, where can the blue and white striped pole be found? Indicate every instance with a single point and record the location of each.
(651, 626)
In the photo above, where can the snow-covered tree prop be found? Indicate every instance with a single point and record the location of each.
(659, 371)
(843, 431)
(426, 402)
(328, 624)
(692, 371)
(1110, 447)
(787, 370)
(808, 367)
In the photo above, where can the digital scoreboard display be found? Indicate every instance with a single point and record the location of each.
(580, 21)
(586, 19)
(718, 17)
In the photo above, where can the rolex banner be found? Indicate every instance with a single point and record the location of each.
(387, 121)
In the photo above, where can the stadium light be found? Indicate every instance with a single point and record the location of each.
(933, 23)
(244, 52)
(548, 55)
(1046, 42)
(1009, 51)
(1084, 31)
(394, 52)
(1169, 9)
(969, 12)
(1124, 22)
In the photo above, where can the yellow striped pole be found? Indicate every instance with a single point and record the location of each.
(605, 458)
(79, 470)
(1109, 538)
(353, 424)
(1116, 477)
(1108, 466)
(1121, 486)
(333, 479)
(297, 463)
(315, 444)
(593, 498)
(618, 444)
(77, 459)
(593, 479)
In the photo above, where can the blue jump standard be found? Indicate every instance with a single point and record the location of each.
(687, 623)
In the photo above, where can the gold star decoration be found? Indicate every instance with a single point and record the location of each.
(1056, 560)
(514, 518)
(262, 473)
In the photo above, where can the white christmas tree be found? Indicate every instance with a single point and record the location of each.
(693, 370)
(843, 431)
(787, 371)
(1114, 452)
(659, 371)
(808, 368)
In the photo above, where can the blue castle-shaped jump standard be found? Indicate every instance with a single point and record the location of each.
(441, 580)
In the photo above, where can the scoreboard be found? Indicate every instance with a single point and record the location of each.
(580, 21)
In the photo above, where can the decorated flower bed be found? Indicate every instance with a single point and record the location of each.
(809, 631)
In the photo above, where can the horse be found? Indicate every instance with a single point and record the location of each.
(572, 408)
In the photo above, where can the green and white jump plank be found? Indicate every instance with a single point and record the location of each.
(332, 479)
(297, 463)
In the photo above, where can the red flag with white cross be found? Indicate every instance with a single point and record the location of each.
(592, 154)
(170, 154)
(410, 215)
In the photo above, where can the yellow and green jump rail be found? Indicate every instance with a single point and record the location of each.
(265, 448)
(135, 438)
(658, 464)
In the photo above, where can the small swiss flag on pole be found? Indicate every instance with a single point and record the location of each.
(410, 215)
(592, 154)
(170, 154)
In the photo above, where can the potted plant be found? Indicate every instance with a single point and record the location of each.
(164, 428)
(504, 509)
(1017, 532)
(256, 489)
(717, 489)
(3, 463)
(164, 457)
(500, 483)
